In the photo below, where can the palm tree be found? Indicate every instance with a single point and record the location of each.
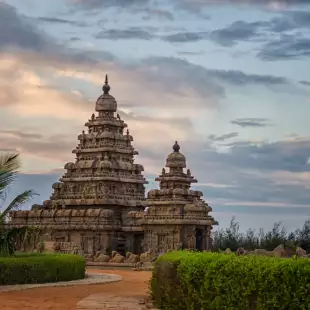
(9, 168)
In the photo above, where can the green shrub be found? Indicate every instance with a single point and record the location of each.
(41, 268)
(192, 281)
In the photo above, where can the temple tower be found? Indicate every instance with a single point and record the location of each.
(90, 204)
(177, 216)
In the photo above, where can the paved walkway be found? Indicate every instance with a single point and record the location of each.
(91, 278)
(111, 302)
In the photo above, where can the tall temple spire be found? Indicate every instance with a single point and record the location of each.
(106, 87)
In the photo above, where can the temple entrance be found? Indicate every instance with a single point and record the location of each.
(198, 235)
(121, 244)
(137, 243)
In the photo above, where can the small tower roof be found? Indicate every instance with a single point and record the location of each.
(176, 159)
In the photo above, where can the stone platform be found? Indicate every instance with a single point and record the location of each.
(108, 264)
(91, 278)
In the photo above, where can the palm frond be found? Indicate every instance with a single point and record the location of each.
(17, 202)
(9, 167)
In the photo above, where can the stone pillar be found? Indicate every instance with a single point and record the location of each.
(129, 243)
(112, 241)
(104, 240)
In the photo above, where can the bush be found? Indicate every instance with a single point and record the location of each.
(41, 268)
(192, 281)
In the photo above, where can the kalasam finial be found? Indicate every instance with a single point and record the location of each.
(176, 147)
(106, 87)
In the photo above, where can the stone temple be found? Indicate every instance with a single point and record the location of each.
(99, 205)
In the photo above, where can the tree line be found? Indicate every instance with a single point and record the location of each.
(233, 239)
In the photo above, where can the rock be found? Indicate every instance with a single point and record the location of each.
(228, 251)
(102, 258)
(146, 257)
(113, 253)
(300, 252)
(89, 257)
(117, 258)
(264, 252)
(240, 251)
(132, 258)
(283, 251)
(279, 250)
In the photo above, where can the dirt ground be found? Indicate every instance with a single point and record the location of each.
(65, 298)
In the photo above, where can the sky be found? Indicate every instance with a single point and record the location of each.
(229, 80)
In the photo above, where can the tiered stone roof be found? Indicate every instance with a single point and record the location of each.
(175, 202)
(104, 172)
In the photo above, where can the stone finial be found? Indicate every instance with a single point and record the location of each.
(176, 147)
(127, 132)
(106, 87)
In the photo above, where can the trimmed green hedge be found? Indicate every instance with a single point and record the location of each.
(41, 268)
(192, 281)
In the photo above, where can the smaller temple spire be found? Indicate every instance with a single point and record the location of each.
(176, 147)
(106, 87)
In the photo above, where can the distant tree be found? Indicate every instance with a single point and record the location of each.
(250, 240)
(9, 168)
(303, 236)
(232, 238)
(273, 238)
(228, 238)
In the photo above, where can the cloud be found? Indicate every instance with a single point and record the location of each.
(117, 34)
(42, 146)
(258, 31)
(151, 13)
(20, 134)
(237, 31)
(271, 173)
(290, 20)
(272, 4)
(306, 83)
(251, 122)
(207, 82)
(235, 77)
(228, 36)
(55, 20)
(96, 4)
(184, 37)
(286, 48)
(223, 137)
(17, 31)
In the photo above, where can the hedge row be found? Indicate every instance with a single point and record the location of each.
(41, 268)
(192, 281)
